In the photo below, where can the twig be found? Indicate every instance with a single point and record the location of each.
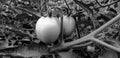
(62, 31)
(88, 43)
(77, 29)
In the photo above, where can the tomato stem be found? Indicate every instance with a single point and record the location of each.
(62, 32)
(91, 37)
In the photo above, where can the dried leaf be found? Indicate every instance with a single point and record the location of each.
(28, 50)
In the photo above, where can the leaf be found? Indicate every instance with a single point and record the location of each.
(69, 54)
(28, 50)
(109, 54)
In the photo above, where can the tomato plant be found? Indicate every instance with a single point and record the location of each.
(29, 30)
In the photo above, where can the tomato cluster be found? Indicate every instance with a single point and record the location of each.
(48, 29)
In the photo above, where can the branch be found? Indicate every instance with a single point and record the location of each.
(86, 38)
(88, 43)
(77, 29)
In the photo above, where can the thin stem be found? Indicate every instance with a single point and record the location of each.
(88, 43)
(77, 28)
(62, 32)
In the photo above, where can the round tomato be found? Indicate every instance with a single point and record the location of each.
(47, 29)
(68, 25)
(90, 48)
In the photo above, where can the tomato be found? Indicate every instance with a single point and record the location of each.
(48, 29)
(90, 48)
(68, 25)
